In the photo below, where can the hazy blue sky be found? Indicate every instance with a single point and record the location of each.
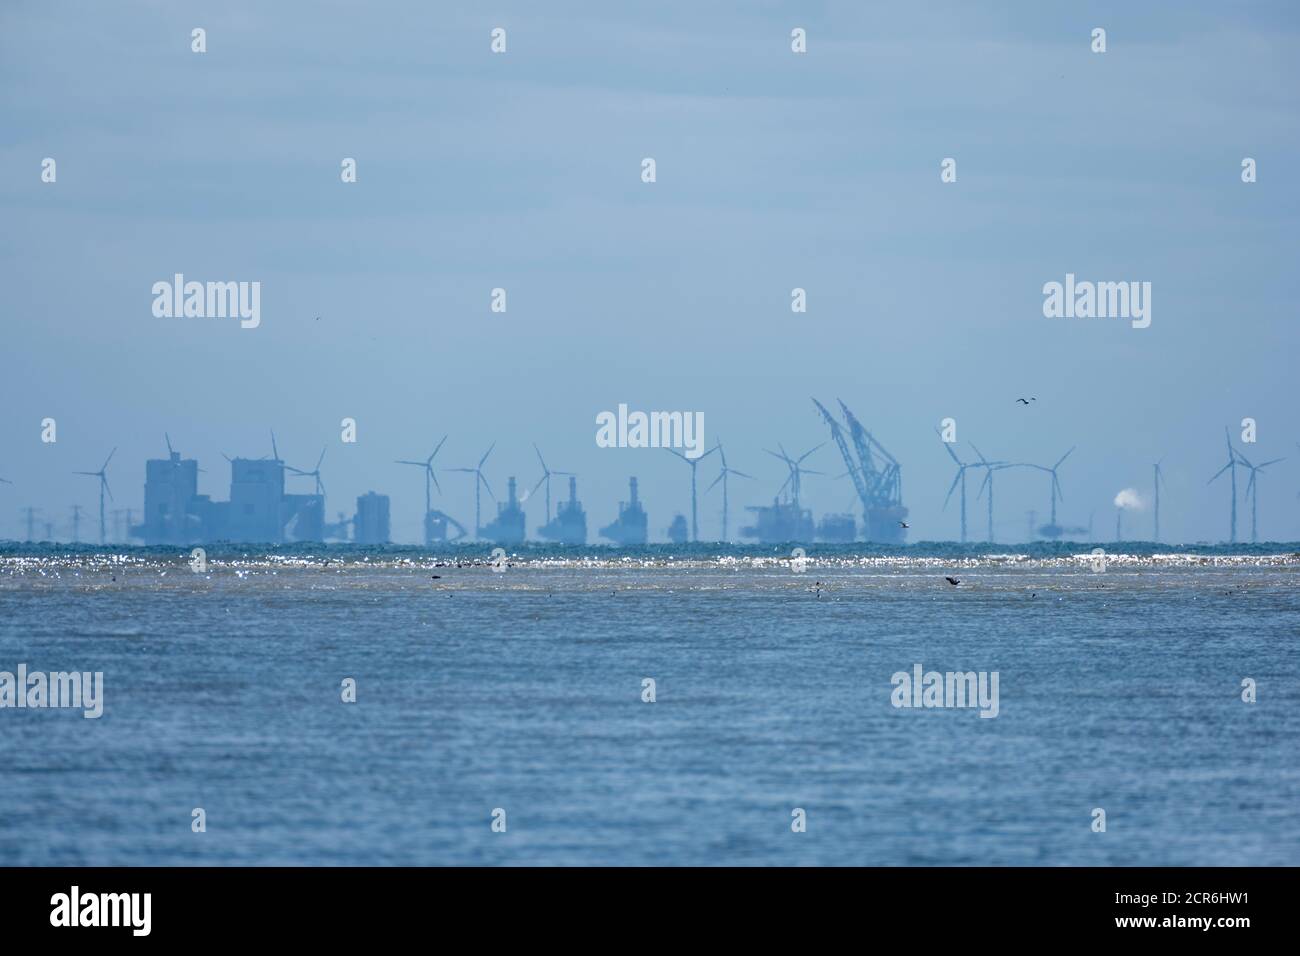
(775, 170)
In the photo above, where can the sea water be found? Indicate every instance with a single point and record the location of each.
(520, 696)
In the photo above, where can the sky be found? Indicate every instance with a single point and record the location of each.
(775, 170)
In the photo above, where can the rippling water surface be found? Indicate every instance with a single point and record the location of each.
(521, 689)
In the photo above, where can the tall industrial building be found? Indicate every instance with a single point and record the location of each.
(172, 510)
(258, 512)
(371, 523)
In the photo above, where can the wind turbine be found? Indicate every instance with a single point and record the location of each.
(1252, 490)
(1056, 483)
(960, 477)
(315, 473)
(1158, 478)
(103, 486)
(429, 476)
(797, 471)
(694, 463)
(989, 468)
(722, 477)
(546, 477)
(479, 482)
(1232, 467)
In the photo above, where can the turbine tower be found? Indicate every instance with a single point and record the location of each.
(429, 476)
(480, 482)
(959, 478)
(103, 486)
(989, 468)
(1055, 529)
(694, 463)
(546, 477)
(1252, 490)
(722, 477)
(1158, 478)
(1231, 467)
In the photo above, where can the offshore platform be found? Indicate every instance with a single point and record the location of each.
(630, 526)
(876, 478)
(569, 526)
(677, 531)
(781, 521)
(785, 519)
(508, 526)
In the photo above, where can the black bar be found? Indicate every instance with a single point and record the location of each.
(209, 905)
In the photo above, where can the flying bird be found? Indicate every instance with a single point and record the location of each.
(953, 581)
(1026, 401)
(904, 524)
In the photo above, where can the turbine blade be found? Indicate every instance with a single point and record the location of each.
(1065, 456)
(438, 449)
(486, 453)
(103, 479)
(715, 481)
(951, 489)
(811, 450)
(321, 458)
(108, 459)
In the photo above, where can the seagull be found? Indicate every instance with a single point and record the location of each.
(1026, 402)
(953, 581)
(904, 524)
